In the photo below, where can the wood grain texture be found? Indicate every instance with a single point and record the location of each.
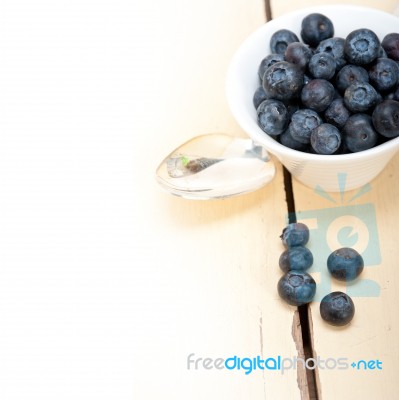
(372, 335)
(280, 7)
(211, 289)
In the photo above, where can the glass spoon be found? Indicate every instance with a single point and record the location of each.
(215, 165)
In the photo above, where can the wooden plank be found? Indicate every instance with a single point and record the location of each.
(216, 261)
(280, 7)
(108, 283)
(373, 332)
(372, 335)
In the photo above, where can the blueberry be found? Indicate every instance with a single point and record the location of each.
(395, 94)
(295, 234)
(382, 53)
(296, 288)
(259, 96)
(315, 28)
(306, 79)
(281, 39)
(337, 114)
(292, 107)
(297, 258)
(343, 149)
(302, 123)
(384, 74)
(267, 62)
(325, 139)
(322, 65)
(283, 80)
(345, 264)
(273, 116)
(359, 133)
(361, 46)
(287, 140)
(317, 94)
(337, 94)
(337, 309)
(350, 74)
(335, 47)
(329, 95)
(386, 118)
(360, 97)
(299, 54)
(390, 44)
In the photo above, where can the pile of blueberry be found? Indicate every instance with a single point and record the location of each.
(297, 287)
(327, 94)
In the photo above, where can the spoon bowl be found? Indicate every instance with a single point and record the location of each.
(215, 166)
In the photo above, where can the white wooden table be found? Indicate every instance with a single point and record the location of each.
(228, 251)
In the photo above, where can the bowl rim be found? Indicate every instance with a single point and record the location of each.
(262, 138)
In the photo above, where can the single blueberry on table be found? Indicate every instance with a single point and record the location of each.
(267, 62)
(295, 234)
(337, 114)
(350, 74)
(283, 81)
(322, 65)
(298, 258)
(315, 28)
(359, 133)
(345, 264)
(386, 118)
(361, 46)
(287, 140)
(325, 139)
(259, 96)
(318, 94)
(302, 123)
(390, 43)
(337, 309)
(360, 97)
(384, 74)
(299, 54)
(273, 117)
(281, 39)
(335, 47)
(296, 288)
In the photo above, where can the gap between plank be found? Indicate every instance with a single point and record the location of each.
(268, 10)
(304, 310)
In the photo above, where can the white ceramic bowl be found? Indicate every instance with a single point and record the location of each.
(242, 81)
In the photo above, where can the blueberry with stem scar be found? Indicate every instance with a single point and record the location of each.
(345, 264)
(337, 309)
(296, 288)
(295, 234)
